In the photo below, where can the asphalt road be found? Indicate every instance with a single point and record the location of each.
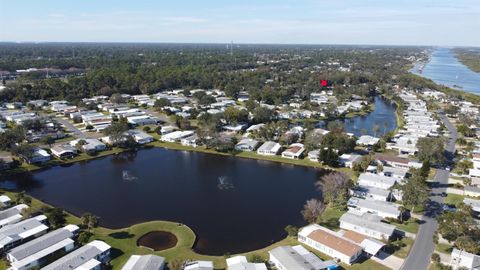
(71, 128)
(423, 247)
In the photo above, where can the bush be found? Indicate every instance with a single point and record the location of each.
(89, 127)
(147, 129)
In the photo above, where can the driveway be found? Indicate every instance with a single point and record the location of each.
(71, 128)
(423, 247)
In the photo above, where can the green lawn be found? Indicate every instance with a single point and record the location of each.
(330, 218)
(410, 225)
(400, 247)
(444, 248)
(453, 199)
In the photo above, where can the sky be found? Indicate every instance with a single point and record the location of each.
(378, 22)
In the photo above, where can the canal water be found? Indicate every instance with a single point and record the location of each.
(232, 204)
(444, 68)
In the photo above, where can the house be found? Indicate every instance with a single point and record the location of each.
(367, 140)
(64, 151)
(329, 243)
(241, 263)
(247, 145)
(475, 204)
(15, 234)
(376, 181)
(348, 160)
(313, 155)
(6, 161)
(192, 141)
(35, 253)
(141, 120)
(140, 137)
(5, 201)
(367, 224)
(150, 262)
(176, 136)
(369, 245)
(370, 193)
(460, 258)
(88, 257)
(399, 173)
(269, 149)
(294, 151)
(89, 145)
(380, 208)
(39, 155)
(297, 258)
(11, 215)
(398, 162)
(199, 265)
(471, 191)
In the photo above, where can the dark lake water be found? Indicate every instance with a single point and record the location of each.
(383, 115)
(183, 187)
(444, 68)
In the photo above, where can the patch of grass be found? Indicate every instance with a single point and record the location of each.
(453, 199)
(330, 218)
(444, 248)
(402, 247)
(411, 225)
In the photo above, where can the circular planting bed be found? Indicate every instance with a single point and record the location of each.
(157, 240)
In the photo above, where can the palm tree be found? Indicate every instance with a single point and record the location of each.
(402, 211)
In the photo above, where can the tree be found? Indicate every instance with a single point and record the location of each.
(117, 98)
(292, 231)
(312, 140)
(234, 116)
(375, 129)
(84, 237)
(468, 243)
(331, 184)
(415, 193)
(262, 115)
(336, 126)
(312, 209)
(176, 264)
(452, 225)
(147, 129)
(161, 102)
(116, 131)
(452, 110)
(21, 197)
(431, 149)
(465, 130)
(56, 217)
(90, 221)
(435, 258)
(463, 166)
(10, 137)
(328, 157)
(48, 140)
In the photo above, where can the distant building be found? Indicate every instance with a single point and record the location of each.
(460, 258)
(298, 258)
(367, 224)
(380, 208)
(241, 263)
(199, 265)
(88, 257)
(269, 149)
(294, 151)
(247, 145)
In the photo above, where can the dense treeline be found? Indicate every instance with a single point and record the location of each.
(269, 73)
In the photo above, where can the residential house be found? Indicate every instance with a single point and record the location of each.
(370, 193)
(475, 204)
(313, 155)
(241, 263)
(269, 149)
(5, 201)
(348, 160)
(147, 262)
(367, 224)
(380, 208)
(297, 258)
(39, 155)
(176, 136)
(247, 145)
(36, 253)
(367, 140)
(64, 151)
(369, 245)
(6, 161)
(140, 137)
(89, 145)
(294, 151)
(88, 257)
(12, 215)
(330, 243)
(192, 141)
(465, 260)
(471, 191)
(376, 180)
(398, 162)
(15, 234)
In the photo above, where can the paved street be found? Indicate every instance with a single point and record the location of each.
(423, 247)
(71, 128)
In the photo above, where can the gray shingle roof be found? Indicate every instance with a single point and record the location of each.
(149, 262)
(75, 258)
(40, 243)
(290, 259)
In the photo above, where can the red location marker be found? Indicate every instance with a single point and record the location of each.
(324, 83)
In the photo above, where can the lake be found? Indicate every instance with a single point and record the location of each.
(444, 68)
(233, 204)
(383, 115)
